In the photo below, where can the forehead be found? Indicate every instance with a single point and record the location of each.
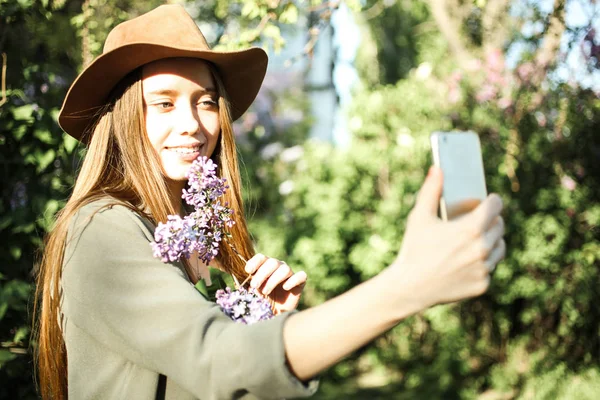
(174, 72)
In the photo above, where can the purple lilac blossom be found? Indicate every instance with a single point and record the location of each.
(204, 185)
(204, 228)
(174, 239)
(243, 305)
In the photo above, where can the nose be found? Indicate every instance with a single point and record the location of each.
(188, 121)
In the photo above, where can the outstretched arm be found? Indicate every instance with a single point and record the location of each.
(439, 262)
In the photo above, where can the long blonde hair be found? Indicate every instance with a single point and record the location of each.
(120, 163)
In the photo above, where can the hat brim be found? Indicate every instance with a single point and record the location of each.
(242, 73)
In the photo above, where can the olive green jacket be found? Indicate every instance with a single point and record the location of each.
(129, 318)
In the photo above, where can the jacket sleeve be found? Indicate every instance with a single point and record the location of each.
(148, 311)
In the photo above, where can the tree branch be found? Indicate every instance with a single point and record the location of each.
(546, 54)
(86, 52)
(493, 22)
(451, 31)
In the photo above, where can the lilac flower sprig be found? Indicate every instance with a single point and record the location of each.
(202, 231)
(204, 185)
(244, 306)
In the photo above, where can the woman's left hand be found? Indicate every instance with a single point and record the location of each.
(275, 279)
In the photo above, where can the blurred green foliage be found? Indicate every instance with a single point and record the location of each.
(535, 334)
(339, 213)
(36, 165)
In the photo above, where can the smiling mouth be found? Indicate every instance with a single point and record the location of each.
(185, 149)
(184, 153)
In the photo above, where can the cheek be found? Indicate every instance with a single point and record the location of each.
(211, 144)
(156, 131)
(212, 127)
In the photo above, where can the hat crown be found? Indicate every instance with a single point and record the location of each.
(165, 25)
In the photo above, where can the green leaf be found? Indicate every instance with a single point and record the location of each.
(21, 334)
(23, 113)
(52, 207)
(19, 132)
(272, 31)
(70, 143)
(201, 287)
(24, 228)
(247, 36)
(25, 3)
(54, 114)
(249, 9)
(43, 135)
(289, 15)
(15, 252)
(3, 308)
(6, 356)
(5, 221)
(78, 20)
(45, 159)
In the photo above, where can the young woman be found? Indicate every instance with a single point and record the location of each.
(115, 322)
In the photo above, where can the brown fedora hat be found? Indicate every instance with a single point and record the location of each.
(165, 32)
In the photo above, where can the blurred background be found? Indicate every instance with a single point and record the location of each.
(334, 149)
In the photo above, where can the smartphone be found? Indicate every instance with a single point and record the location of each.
(458, 154)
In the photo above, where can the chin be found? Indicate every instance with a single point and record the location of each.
(177, 174)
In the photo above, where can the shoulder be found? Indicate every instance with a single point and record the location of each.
(111, 216)
(106, 234)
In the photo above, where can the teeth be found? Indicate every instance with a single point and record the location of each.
(184, 150)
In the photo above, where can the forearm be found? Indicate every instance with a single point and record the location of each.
(317, 338)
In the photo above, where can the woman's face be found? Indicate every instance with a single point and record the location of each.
(182, 112)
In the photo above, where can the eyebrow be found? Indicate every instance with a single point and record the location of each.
(170, 92)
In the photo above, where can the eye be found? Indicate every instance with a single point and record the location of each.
(208, 103)
(164, 105)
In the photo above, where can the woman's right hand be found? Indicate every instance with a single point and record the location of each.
(440, 261)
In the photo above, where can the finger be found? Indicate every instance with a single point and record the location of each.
(493, 235)
(255, 262)
(484, 215)
(296, 280)
(277, 277)
(428, 199)
(264, 271)
(496, 255)
(480, 247)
